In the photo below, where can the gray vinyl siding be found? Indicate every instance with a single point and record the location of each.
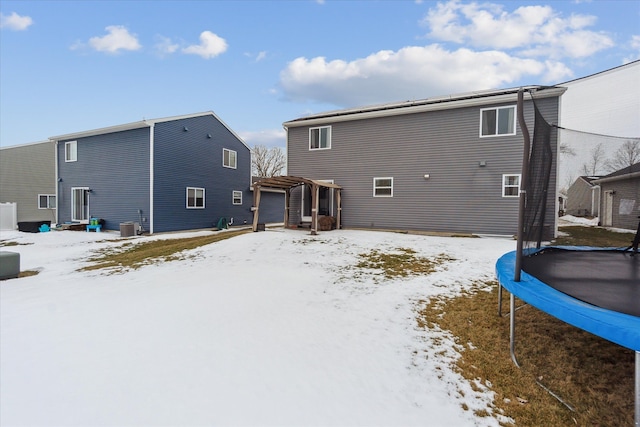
(628, 189)
(25, 172)
(579, 198)
(459, 196)
(115, 166)
(191, 159)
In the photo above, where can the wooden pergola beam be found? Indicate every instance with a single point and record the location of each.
(287, 183)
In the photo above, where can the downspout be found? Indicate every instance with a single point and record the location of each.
(151, 176)
(57, 178)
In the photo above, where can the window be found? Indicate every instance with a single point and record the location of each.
(510, 185)
(382, 187)
(195, 198)
(46, 201)
(71, 151)
(498, 121)
(237, 197)
(320, 138)
(229, 159)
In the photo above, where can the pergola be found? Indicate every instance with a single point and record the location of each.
(286, 183)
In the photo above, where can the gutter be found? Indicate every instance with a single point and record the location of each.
(617, 178)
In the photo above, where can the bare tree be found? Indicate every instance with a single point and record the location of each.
(596, 161)
(267, 162)
(565, 149)
(628, 154)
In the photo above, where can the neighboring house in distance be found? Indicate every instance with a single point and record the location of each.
(450, 164)
(27, 178)
(169, 174)
(583, 197)
(604, 103)
(620, 202)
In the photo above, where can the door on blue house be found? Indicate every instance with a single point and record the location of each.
(80, 204)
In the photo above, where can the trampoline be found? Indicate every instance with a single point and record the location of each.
(594, 289)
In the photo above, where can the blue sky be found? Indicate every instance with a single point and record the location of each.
(70, 66)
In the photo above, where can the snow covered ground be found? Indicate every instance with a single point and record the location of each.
(276, 328)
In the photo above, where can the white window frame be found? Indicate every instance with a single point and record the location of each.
(195, 205)
(71, 151)
(236, 197)
(496, 131)
(81, 207)
(505, 176)
(227, 156)
(319, 130)
(49, 199)
(376, 186)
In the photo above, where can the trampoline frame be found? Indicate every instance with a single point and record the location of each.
(622, 329)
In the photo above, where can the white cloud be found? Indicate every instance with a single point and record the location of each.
(410, 73)
(536, 30)
(268, 137)
(15, 22)
(634, 46)
(117, 39)
(211, 45)
(165, 46)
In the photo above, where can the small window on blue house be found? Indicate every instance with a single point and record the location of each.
(320, 138)
(510, 185)
(383, 187)
(46, 201)
(237, 197)
(498, 121)
(229, 158)
(71, 151)
(195, 198)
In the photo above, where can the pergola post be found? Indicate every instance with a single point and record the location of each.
(314, 208)
(256, 206)
(339, 211)
(287, 199)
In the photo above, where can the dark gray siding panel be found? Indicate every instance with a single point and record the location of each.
(115, 167)
(271, 207)
(458, 196)
(191, 159)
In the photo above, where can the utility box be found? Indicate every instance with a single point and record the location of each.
(127, 229)
(9, 265)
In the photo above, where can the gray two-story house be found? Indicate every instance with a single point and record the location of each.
(450, 164)
(169, 174)
(27, 181)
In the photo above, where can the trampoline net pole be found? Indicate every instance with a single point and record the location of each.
(524, 177)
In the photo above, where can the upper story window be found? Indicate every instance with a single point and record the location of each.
(195, 198)
(46, 201)
(237, 197)
(498, 121)
(510, 185)
(71, 151)
(320, 138)
(229, 158)
(383, 187)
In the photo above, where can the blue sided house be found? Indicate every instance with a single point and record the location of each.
(169, 174)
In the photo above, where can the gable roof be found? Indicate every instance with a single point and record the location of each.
(141, 124)
(430, 104)
(628, 172)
